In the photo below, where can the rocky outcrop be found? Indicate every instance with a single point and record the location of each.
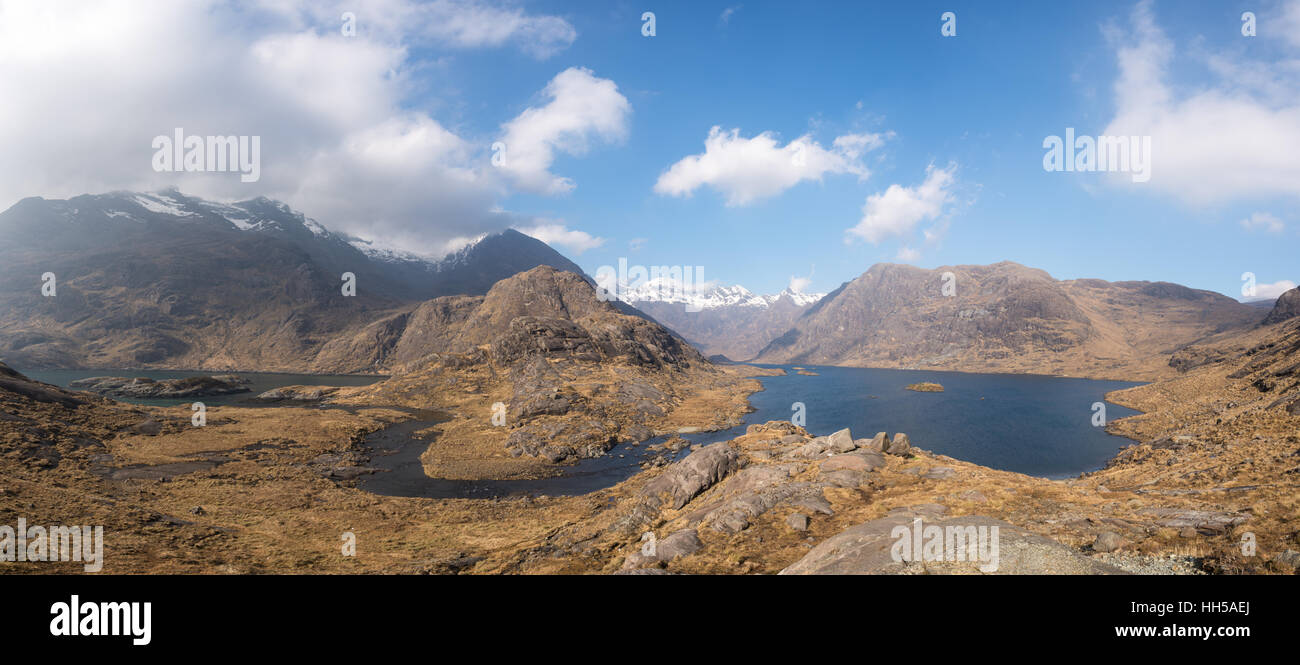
(778, 482)
(146, 388)
(1287, 307)
(302, 394)
(687, 478)
(874, 548)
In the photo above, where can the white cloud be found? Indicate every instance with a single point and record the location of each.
(462, 24)
(748, 169)
(800, 284)
(1271, 291)
(636, 244)
(581, 107)
(1263, 220)
(728, 13)
(560, 235)
(907, 254)
(88, 85)
(897, 210)
(474, 24)
(1236, 137)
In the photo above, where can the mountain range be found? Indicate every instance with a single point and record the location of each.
(729, 321)
(1006, 317)
(168, 280)
(165, 280)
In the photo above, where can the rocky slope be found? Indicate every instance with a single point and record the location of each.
(168, 281)
(573, 375)
(1006, 318)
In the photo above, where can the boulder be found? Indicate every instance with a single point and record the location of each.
(680, 543)
(841, 441)
(900, 445)
(1107, 541)
(869, 549)
(797, 521)
(699, 471)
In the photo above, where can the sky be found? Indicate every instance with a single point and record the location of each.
(770, 144)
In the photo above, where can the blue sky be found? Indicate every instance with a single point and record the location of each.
(387, 133)
(984, 99)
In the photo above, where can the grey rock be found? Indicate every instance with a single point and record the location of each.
(1288, 561)
(680, 543)
(853, 462)
(900, 445)
(700, 470)
(867, 549)
(874, 459)
(1205, 522)
(814, 504)
(841, 441)
(797, 521)
(940, 473)
(811, 450)
(845, 478)
(1107, 541)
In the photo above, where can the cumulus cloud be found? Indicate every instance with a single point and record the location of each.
(1271, 291)
(89, 85)
(1263, 220)
(560, 235)
(897, 210)
(800, 284)
(581, 108)
(749, 169)
(1238, 136)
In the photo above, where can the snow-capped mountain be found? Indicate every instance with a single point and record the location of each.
(247, 284)
(668, 291)
(727, 320)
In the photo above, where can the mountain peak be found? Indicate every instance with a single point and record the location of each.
(703, 296)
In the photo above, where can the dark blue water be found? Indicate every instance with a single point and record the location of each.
(259, 382)
(396, 450)
(1037, 425)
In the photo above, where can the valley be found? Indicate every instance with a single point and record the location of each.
(568, 430)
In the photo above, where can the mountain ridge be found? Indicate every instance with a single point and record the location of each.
(1005, 317)
(166, 280)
